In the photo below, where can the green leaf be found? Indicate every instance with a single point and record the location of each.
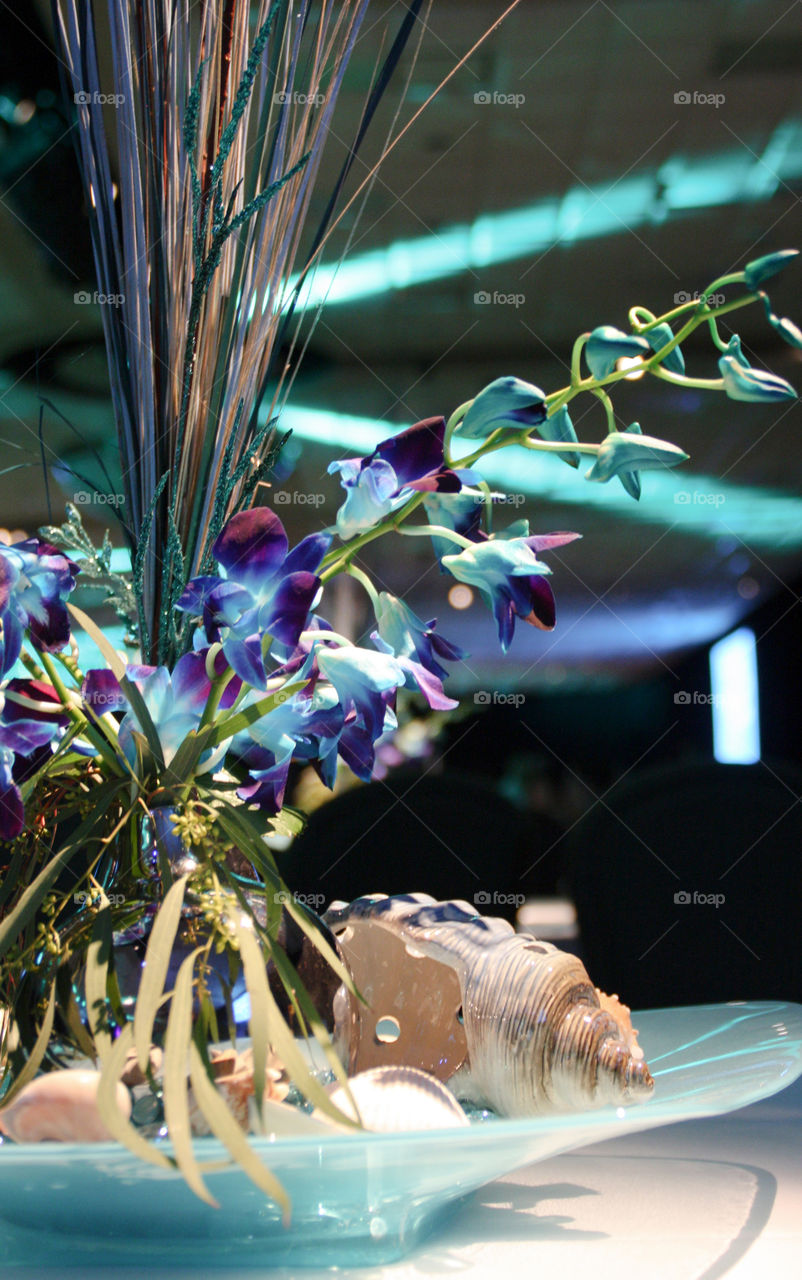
(265, 1011)
(38, 1051)
(240, 829)
(116, 1123)
(154, 970)
(115, 662)
(27, 906)
(288, 822)
(176, 1098)
(185, 761)
(225, 1127)
(98, 954)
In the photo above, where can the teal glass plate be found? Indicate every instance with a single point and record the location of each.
(365, 1199)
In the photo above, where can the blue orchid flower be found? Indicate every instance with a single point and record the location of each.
(461, 512)
(658, 337)
(506, 402)
(363, 679)
(414, 644)
(508, 573)
(375, 485)
(625, 453)
(35, 581)
(755, 275)
(759, 270)
(306, 726)
(175, 703)
(607, 345)
(515, 405)
(742, 382)
(266, 590)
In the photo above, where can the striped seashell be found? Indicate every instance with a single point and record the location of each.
(537, 1037)
(60, 1107)
(394, 1099)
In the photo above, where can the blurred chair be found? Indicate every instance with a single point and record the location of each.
(687, 885)
(449, 836)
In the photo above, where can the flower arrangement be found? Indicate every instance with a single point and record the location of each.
(135, 798)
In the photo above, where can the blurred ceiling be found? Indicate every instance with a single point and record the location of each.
(590, 156)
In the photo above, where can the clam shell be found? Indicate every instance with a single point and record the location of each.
(538, 1039)
(395, 1099)
(60, 1107)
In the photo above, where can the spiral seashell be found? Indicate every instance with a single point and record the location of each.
(395, 1099)
(537, 1037)
(60, 1107)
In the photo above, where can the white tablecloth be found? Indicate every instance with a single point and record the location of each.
(691, 1201)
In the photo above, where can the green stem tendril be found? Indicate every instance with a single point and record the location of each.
(333, 636)
(355, 572)
(437, 531)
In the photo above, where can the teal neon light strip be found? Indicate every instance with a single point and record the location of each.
(691, 501)
(681, 185)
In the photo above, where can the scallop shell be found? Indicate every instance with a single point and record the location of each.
(60, 1107)
(395, 1099)
(537, 1039)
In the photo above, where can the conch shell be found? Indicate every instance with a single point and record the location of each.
(60, 1107)
(518, 1025)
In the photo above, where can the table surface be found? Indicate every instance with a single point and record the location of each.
(691, 1201)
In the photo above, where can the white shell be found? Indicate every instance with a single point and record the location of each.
(538, 1038)
(60, 1107)
(393, 1099)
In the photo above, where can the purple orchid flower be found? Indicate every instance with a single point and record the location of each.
(461, 512)
(266, 590)
(35, 580)
(374, 485)
(19, 740)
(305, 727)
(414, 644)
(509, 575)
(175, 703)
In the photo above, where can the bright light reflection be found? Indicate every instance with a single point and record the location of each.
(735, 701)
